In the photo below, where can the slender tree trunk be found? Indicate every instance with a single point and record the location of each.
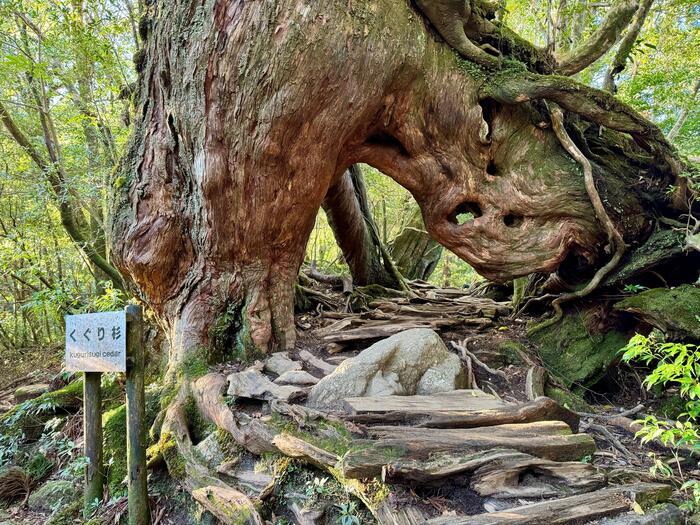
(350, 218)
(415, 253)
(683, 115)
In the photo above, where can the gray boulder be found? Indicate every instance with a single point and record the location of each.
(279, 363)
(414, 362)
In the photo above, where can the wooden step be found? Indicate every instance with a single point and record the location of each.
(551, 440)
(578, 509)
(457, 400)
(458, 409)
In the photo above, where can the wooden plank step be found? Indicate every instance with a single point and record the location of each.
(405, 515)
(579, 509)
(391, 327)
(551, 440)
(455, 411)
(457, 400)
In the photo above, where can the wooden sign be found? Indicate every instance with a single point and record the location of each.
(96, 342)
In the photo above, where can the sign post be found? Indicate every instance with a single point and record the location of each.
(139, 513)
(97, 343)
(92, 427)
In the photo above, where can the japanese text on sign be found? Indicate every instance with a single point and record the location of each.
(96, 342)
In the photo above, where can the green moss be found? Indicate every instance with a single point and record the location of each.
(575, 350)
(67, 514)
(114, 431)
(568, 399)
(38, 466)
(230, 336)
(199, 427)
(228, 445)
(196, 363)
(675, 311)
(173, 458)
(328, 435)
(510, 352)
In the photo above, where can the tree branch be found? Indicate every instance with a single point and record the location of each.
(620, 60)
(57, 184)
(616, 20)
(684, 112)
(516, 86)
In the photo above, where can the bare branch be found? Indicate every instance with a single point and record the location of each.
(616, 20)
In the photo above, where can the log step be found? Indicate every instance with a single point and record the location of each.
(578, 509)
(550, 440)
(459, 409)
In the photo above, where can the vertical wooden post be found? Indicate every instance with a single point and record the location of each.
(92, 427)
(139, 513)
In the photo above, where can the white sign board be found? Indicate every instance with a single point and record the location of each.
(96, 342)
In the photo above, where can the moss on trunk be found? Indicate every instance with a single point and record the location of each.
(580, 347)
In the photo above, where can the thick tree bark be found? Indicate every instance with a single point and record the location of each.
(248, 113)
(347, 208)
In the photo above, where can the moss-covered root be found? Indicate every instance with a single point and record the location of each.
(224, 502)
(258, 438)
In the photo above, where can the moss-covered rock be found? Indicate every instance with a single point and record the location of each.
(28, 418)
(52, 495)
(674, 311)
(579, 348)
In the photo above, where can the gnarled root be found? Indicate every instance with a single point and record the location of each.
(224, 501)
(615, 240)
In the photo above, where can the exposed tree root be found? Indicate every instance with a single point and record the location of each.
(616, 243)
(222, 500)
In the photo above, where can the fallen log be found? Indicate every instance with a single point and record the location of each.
(502, 473)
(582, 508)
(474, 412)
(551, 440)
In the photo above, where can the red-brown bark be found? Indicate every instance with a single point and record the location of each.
(248, 112)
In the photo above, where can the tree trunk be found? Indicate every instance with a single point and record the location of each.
(249, 113)
(415, 253)
(350, 218)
